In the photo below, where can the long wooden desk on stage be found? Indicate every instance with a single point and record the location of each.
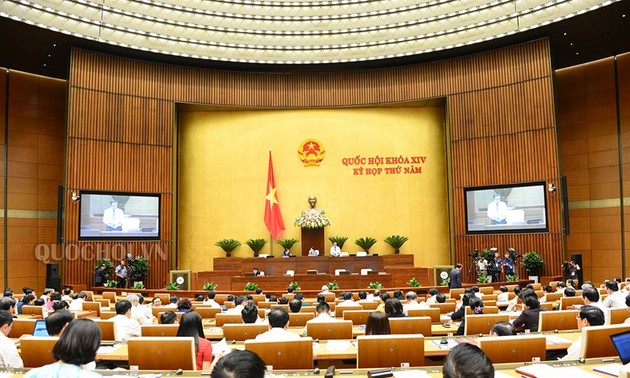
(313, 281)
(300, 264)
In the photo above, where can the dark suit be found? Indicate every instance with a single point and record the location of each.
(528, 319)
(456, 279)
(99, 277)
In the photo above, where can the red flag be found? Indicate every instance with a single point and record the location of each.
(273, 217)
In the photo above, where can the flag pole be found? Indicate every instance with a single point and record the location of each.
(270, 245)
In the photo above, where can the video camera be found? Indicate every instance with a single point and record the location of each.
(513, 254)
(474, 254)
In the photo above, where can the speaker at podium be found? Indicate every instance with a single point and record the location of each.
(182, 278)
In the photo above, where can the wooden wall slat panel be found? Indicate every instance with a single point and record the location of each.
(125, 108)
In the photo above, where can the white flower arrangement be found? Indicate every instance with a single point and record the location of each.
(312, 220)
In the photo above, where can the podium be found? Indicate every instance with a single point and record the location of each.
(313, 237)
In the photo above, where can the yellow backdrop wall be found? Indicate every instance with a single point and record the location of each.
(222, 177)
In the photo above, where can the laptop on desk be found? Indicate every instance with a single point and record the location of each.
(40, 328)
(621, 341)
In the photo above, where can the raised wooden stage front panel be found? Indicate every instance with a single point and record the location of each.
(323, 264)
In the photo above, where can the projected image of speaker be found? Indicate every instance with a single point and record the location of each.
(181, 278)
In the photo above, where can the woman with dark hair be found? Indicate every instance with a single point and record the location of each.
(377, 324)
(239, 364)
(169, 317)
(394, 309)
(467, 360)
(76, 347)
(190, 325)
(476, 305)
(185, 305)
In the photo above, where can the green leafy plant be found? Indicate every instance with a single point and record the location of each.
(109, 267)
(511, 277)
(396, 241)
(256, 245)
(375, 285)
(446, 281)
(333, 285)
(209, 286)
(365, 243)
(483, 278)
(533, 263)
(228, 245)
(339, 239)
(138, 285)
(294, 285)
(138, 269)
(111, 283)
(172, 286)
(250, 286)
(414, 282)
(288, 243)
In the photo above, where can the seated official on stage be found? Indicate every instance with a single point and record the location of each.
(335, 251)
(313, 252)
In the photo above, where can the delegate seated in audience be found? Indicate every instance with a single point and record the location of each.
(295, 305)
(283, 301)
(615, 298)
(504, 296)
(8, 304)
(28, 300)
(60, 305)
(348, 301)
(126, 327)
(173, 302)
(169, 317)
(156, 302)
(8, 350)
(590, 297)
(514, 301)
(476, 305)
(432, 293)
(459, 314)
(250, 313)
(191, 326)
(528, 319)
(137, 311)
(322, 314)
(377, 324)
(239, 364)
(411, 302)
(467, 361)
(210, 301)
(278, 323)
(560, 287)
(77, 304)
(381, 306)
(185, 305)
(503, 329)
(394, 309)
(440, 298)
(57, 321)
(546, 290)
(589, 316)
(67, 292)
(75, 348)
(477, 292)
(569, 292)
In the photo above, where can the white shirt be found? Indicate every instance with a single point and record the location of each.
(313, 252)
(277, 334)
(335, 251)
(503, 297)
(211, 303)
(324, 318)
(126, 328)
(616, 299)
(113, 217)
(432, 299)
(235, 310)
(573, 352)
(9, 352)
(76, 305)
(138, 314)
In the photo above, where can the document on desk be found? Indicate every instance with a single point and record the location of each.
(551, 339)
(450, 343)
(548, 371)
(105, 349)
(337, 345)
(610, 369)
(410, 373)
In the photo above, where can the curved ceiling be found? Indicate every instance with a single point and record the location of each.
(293, 32)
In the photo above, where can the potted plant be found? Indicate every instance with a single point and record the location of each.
(365, 243)
(109, 267)
(333, 285)
(138, 270)
(396, 241)
(533, 264)
(228, 245)
(511, 277)
(414, 282)
(340, 240)
(172, 286)
(483, 278)
(138, 285)
(375, 285)
(287, 243)
(111, 283)
(209, 286)
(294, 285)
(256, 245)
(250, 286)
